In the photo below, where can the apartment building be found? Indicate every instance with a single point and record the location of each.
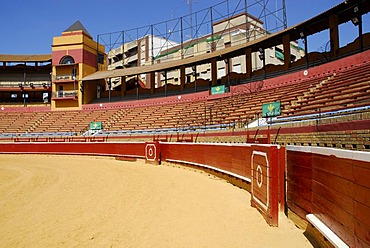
(228, 32)
(139, 52)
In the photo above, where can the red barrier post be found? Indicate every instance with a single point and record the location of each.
(152, 153)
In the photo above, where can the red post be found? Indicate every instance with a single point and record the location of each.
(282, 188)
(152, 153)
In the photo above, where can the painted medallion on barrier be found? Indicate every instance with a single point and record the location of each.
(260, 182)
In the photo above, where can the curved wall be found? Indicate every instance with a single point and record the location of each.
(334, 186)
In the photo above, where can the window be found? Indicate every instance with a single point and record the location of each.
(66, 60)
(100, 58)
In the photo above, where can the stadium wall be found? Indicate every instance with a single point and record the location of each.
(131, 149)
(332, 186)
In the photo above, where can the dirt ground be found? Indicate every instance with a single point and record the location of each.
(79, 201)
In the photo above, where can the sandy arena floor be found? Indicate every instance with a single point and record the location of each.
(75, 201)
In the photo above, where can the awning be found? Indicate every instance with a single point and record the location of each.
(25, 58)
(199, 59)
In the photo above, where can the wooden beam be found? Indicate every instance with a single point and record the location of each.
(334, 35)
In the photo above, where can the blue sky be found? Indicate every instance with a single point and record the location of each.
(28, 26)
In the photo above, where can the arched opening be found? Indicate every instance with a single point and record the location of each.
(67, 60)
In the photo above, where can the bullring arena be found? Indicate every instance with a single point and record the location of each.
(51, 201)
(248, 143)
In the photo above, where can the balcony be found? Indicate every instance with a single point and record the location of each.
(65, 95)
(62, 78)
(115, 65)
(28, 84)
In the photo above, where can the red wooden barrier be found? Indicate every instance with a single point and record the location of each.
(229, 158)
(84, 148)
(334, 185)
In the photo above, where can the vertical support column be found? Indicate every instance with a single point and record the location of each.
(139, 52)
(123, 86)
(286, 44)
(262, 57)
(358, 11)
(165, 83)
(195, 73)
(159, 79)
(109, 88)
(360, 35)
(137, 87)
(228, 66)
(213, 44)
(248, 62)
(306, 51)
(334, 35)
(80, 85)
(152, 82)
(182, 77)
(214, 71)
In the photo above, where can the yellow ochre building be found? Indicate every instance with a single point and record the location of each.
(75, 55)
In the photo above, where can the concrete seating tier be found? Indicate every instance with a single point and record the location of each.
(346, 88)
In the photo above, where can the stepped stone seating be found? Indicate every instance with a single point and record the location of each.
(349, 87)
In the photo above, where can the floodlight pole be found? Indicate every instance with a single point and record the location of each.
(212, 34)
(284, 15)
(123, 51)
(246, 21)
(182, 39)
(152, 42)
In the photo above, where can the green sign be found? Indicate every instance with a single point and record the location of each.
(95, 126)
(218, 89)
(271, 109)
